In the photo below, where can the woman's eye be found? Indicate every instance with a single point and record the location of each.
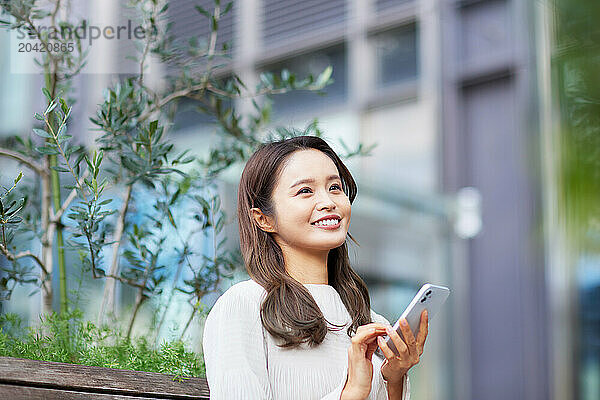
(332, 186)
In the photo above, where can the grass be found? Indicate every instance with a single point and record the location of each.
(70, 339)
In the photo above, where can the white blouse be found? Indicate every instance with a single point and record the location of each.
(243, 361)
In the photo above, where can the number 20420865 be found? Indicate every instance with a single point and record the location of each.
(46, 47)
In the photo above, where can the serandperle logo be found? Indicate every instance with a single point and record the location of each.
(85, 32)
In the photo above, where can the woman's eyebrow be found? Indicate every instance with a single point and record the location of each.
(310, 180)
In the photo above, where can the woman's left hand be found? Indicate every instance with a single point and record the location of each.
(395, 367)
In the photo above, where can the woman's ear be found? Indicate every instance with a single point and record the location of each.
(263, 222)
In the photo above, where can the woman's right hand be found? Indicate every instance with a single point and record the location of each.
(360, 366)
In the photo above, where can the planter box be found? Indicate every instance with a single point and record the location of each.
(31, 379)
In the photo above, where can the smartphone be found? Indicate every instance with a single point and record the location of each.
(429, 297)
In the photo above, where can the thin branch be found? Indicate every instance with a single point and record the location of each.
(13, 186)
(189, 321)
(176, 279)
(56, 217)
(108, 298)
(213, 33)
(11, 257)
(55, 138)
(207, 86)
(167, 99)
(129, 282)
(139, 298)
(47, 241)
(195, 88)
(24, 159)
(143, 58)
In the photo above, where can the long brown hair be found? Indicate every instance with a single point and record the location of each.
(289, 312)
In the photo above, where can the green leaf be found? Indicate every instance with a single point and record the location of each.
(202, 11)
(59, 169)
(16, 210)
(267, 79)
(51, 107)
(46, 150)
(61, 129)
(90, 166)
(42, 133)
(74, 149)
(63, 105)
(63, 138)
(219, 224)
(47, 94)
(171, 219)
(324, 77)
(18, 178)
(152, 128)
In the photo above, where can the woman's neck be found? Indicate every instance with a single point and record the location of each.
(306, 267)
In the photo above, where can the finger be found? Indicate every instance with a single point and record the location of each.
(385, 349)
(367, 327)
(371, 348)
(364, 341)
(423, 331)
(398, 342)
(367, 333)
(409, 337)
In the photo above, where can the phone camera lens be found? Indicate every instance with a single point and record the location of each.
(428, 293)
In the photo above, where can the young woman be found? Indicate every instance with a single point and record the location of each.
(273, 336)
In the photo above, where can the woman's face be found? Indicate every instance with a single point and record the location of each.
(308, 189)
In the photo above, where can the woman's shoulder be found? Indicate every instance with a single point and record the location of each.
(233, 320)
(243, 296)
(246, 289)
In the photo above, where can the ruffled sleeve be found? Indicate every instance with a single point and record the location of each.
(234, 348)
(382, 392)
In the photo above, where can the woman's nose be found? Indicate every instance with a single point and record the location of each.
(325, 201)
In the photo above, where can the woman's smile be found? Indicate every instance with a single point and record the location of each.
(328, 224)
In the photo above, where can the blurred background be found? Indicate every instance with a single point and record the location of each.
(485, 177)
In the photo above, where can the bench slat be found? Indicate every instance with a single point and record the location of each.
(86, 379)
(34, 393)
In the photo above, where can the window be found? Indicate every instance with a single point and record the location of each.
(395, 53)
(312, 63)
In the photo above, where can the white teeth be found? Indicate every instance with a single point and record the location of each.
(327, 222)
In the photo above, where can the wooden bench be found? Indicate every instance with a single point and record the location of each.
(32, 380)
